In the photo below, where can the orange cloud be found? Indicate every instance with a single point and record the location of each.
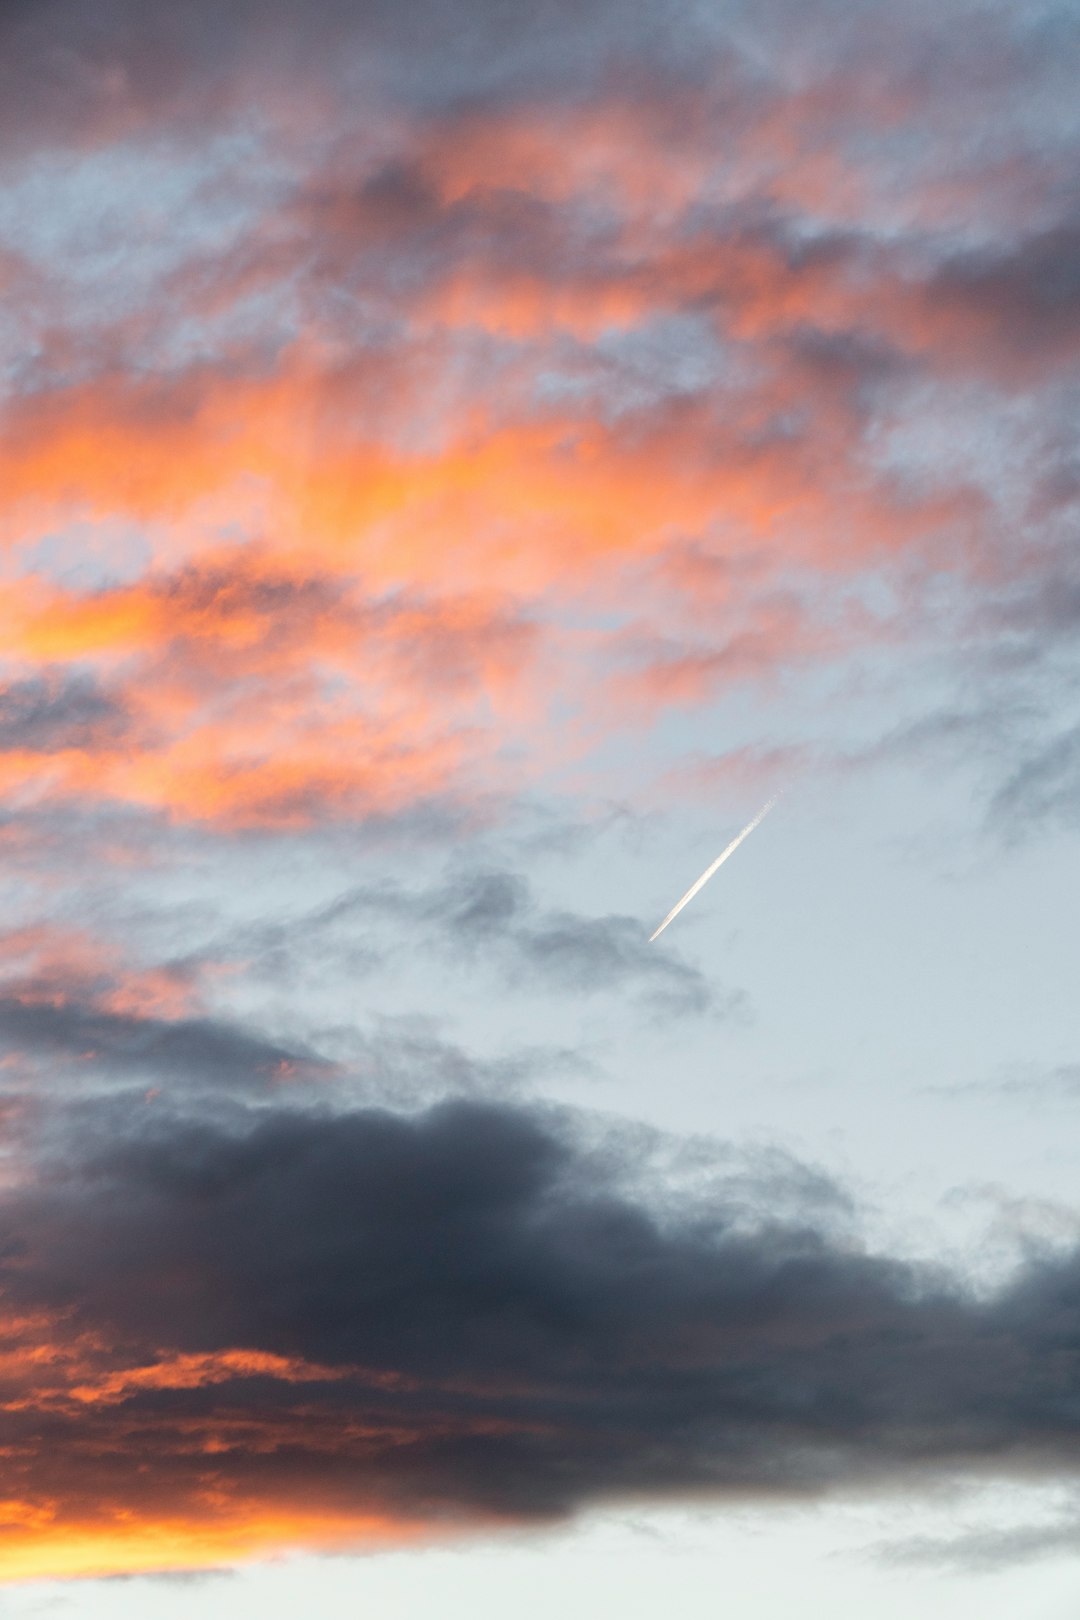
(160, 1488)
(377, 570)
(517, 506)
(252, 696)
(46, 965)
(408, 616)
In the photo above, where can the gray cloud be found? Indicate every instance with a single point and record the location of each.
(494, 913)
(405, 1061)
(121, 64)
(1044, 786)
(1029, 290)
(985, 1552)
(491, 917)
(503, 1327)
(68, 1042)
(210, 1053)
(50, 713)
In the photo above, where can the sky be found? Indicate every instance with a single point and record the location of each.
(458, 461)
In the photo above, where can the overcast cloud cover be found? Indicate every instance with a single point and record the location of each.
(458, 460)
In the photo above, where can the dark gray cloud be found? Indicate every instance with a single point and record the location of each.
(197, 1052)
(1029, 291)
(72, 69)
(68, 1041)
(556, 43)
(493, 1323)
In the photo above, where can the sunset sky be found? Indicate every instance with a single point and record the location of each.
(459, 459)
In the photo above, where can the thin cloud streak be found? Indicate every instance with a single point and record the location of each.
(695, 888)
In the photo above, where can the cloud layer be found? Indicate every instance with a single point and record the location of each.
(598, 364)
(471, 1314)
(410, 415)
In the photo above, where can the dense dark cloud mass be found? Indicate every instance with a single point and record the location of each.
(465, 1311)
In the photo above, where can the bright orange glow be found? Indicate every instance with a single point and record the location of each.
(158, 1487)
(36, 1546)
(517, 507)
(400, 620)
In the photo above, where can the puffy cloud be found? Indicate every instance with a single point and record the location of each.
(468, 1313)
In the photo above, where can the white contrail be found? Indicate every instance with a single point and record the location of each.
(719, 861)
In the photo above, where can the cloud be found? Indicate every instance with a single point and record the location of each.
(470, 386)
(489, 917)
(246, 695)
(76, 1017)
(1027, 294)
(124, 65)
(493, 913)
(391, 1318)
(207, 1053)
(1044, 786)
(193, 1000)
(985, 1552)
(469, 367)
(48, 714)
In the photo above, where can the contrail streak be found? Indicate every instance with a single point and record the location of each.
(709, 870)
